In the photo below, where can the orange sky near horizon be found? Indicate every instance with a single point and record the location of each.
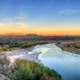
(21, 29)
(42, 17)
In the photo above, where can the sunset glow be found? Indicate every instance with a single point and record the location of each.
(26, 29)
(43, 17)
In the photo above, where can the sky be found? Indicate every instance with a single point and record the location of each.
(43, 17)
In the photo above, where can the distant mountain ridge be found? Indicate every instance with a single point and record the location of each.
(39, 37)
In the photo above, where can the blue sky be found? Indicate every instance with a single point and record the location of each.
(41, 10)
(35, 12)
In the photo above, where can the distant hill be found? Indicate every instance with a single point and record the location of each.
(37, 37)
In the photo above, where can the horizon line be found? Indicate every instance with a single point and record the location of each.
(24, 34)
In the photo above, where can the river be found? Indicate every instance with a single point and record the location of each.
(65, 63)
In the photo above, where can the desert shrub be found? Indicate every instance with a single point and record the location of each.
(29, 70)
(4, 47)
(30, 43)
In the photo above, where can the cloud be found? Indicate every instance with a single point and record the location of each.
(13, 22)
(12, 19)
(69, 12)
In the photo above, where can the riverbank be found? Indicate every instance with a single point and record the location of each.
(73, 47)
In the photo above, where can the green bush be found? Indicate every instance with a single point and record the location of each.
(29, 70)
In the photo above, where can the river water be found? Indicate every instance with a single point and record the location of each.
(65, 63)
